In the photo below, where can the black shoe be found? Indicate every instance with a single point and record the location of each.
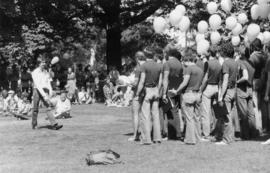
(56, 127)
(34, 125)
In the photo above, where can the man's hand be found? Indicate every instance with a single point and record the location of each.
(164, 98)
(47, 100)
(172, 92)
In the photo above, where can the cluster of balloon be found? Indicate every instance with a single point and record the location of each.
(177, 19)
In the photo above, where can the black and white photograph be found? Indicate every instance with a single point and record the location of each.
(134, 86)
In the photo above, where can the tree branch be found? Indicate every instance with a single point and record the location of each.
(155, 5)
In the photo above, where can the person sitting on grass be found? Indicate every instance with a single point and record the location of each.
(2, 104)
(118, 97)
(11, 105)
(24, 107)
(62, 106)
(82, 96)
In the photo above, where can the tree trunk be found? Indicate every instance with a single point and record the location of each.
(113, 52)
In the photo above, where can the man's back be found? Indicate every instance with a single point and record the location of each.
(175, 69)
(230, 67)
(152, 72)
(214, 71)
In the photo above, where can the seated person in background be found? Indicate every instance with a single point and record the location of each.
(118, 97)
(2, 104)
(62, 106)
(108, 92)
(11, 104)
(24, 107)
(82, 96)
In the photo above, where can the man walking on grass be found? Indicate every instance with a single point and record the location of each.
(42, 92)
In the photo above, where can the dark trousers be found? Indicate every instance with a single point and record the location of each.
(173, 118)
(36, 99)
(246, 112)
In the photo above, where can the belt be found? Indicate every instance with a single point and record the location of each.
(192, 91)
(151, 86)
(231, 87)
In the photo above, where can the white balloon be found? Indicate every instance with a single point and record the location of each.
(242, 18)
(159, 24)
(253, 31)
(264, 10)
(55, 60)
(231, 22)
(202, 27)
(212, 7)
(235, 40)
(266, 36)
(226, 5)
(202, 47)
(215, 37)
(237, 29)
(199, 37)
(184, 24)
(215, 21)
(175, 17)
(181, 8)
(261, 37)
(255, 12)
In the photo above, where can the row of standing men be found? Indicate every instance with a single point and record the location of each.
(205, 98)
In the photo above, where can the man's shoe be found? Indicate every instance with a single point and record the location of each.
(221, 143)
(34, 126)
(56, 127)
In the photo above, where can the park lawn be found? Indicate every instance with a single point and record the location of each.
(93, 127)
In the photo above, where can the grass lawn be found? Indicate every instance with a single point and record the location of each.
(93, 127)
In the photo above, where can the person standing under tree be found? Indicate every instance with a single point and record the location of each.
(190, 87)
(228, 91)
(151, 81)
(41, 92)
(173, 76)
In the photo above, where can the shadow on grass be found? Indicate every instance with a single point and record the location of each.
(128, 134)
(45, 127)
(263, 137)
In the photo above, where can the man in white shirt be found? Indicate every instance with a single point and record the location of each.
(41, 92)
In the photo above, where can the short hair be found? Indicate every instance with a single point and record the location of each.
(159, 53)
(41, 58)
(174, 53)
(256, 45)
(149, 52)
(213, 51)
(227, 50)
(189, 55)
(140, 55)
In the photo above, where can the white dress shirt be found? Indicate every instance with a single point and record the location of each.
(41, 80)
